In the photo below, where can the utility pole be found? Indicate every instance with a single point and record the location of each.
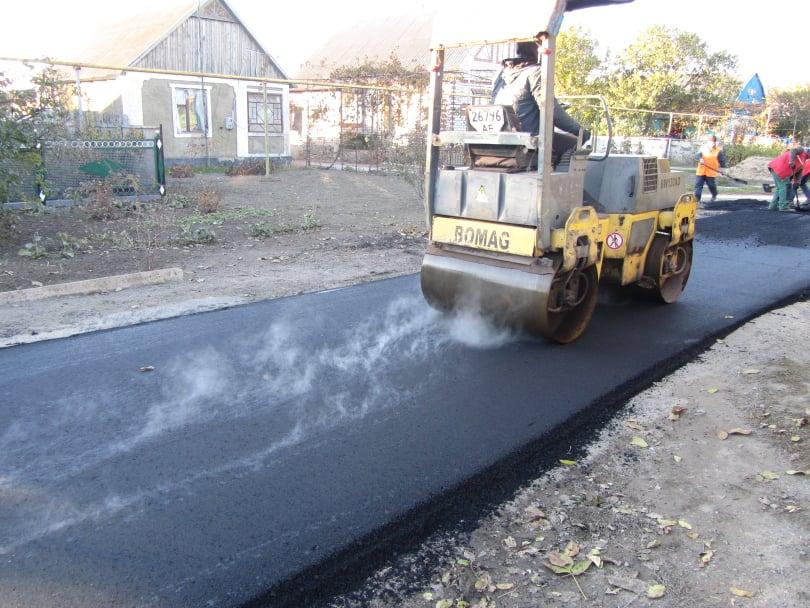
(266, 140)
(79, 101)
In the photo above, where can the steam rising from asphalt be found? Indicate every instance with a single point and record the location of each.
(276, 376)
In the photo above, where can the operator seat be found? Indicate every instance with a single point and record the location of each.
(506, 158)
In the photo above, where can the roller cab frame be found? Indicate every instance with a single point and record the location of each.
(528, 245)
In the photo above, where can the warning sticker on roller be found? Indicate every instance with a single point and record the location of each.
(614, 240)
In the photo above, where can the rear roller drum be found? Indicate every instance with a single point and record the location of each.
(667, 269)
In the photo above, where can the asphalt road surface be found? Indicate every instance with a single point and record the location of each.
(271, 435)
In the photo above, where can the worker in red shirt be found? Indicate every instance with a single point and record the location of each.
(800, 182)
(783, 169)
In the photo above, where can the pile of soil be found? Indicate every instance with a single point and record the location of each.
(752, 168)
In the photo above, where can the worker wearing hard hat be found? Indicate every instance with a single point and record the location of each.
(710, 159)
(784, 169)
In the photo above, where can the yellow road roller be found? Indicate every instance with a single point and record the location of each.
(526, 241)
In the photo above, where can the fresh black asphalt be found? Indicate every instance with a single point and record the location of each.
(272, 435)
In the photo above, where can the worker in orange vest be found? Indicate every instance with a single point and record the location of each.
(784, 169)
(710, 158)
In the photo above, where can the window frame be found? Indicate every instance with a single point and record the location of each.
(175, 118)
(272, 124)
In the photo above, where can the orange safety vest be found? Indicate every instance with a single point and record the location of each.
(710, 167)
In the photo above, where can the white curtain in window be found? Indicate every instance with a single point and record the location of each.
(197, 97)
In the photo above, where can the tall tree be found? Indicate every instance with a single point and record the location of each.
(578, 71)
(790, 111)
(26, 116)
(672, 70)
(577, 68)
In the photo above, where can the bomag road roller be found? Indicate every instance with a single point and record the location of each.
(527, 241)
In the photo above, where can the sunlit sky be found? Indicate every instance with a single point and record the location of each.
(763, 40)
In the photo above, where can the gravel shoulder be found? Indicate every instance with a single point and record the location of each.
(697, 493)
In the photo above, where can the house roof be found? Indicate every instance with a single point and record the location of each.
(407, 37)
(125, 37)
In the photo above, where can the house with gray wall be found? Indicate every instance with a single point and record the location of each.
(219, 116)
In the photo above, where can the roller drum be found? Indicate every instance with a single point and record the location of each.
(532, 301)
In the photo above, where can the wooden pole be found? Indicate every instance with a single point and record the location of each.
(79, 101)
(434, 127)
(266, 138)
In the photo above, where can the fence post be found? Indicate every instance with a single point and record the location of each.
(160, 165)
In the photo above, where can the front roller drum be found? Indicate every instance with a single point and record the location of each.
(555, 305)
(667, 269)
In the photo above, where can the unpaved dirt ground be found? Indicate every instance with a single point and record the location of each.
(301, 230)
(684, 503)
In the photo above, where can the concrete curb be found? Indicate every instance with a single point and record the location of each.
(75, 288)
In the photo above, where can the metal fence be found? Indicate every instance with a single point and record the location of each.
(62, 169)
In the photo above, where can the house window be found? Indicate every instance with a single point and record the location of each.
(256, 113)
(192, 111)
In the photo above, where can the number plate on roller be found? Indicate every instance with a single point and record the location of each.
(502, 238)
(486, 119)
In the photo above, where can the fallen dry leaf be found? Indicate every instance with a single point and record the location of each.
(462, 562)
(722, 435)
(676, 412)
(634, 425)
(712, 391)
(147, 368)
(656, 591)
(568, 463)
(560, 560)
(768, 475)
(444, 604)
(667, 523)
(639, 442)
(693, 535)
(792, 508)
(572, 549)
(505, 586)
(653, 544)
(510, 542)
(741, 592)
(795, 438)
(677, 458)
(750, 371)
(792, 472)
(705, 558)
(684, 524)
(483, 583)
(739, 431)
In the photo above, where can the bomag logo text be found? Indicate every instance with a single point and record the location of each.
(669, 182)
(482, 238)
